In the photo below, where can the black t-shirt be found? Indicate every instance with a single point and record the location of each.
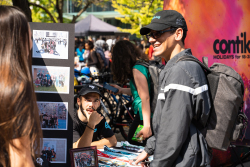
(44, 152)
(49, 153)
(102, 130)
(51, 121)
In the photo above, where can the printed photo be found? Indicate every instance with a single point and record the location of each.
(51, 79)
(50, 44)
(54, 115)
(85, 156)
(54, 150)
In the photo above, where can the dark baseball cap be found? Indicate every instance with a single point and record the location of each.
(89, 88)
(165, 19)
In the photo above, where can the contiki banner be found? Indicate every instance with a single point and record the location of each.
(220, 30)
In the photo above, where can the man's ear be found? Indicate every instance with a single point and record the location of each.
(178, 34)
(78, 101)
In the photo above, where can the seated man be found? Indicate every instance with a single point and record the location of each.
(90, 127)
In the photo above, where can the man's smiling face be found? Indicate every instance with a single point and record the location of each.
(163, 45)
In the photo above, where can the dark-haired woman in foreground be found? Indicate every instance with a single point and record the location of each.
(124, 68)
(20, 130)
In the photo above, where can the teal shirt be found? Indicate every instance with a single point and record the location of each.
(137, 100)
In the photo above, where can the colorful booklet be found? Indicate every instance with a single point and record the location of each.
(140, 138)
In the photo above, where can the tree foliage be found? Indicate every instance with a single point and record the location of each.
(44, 11)
(52, 10)
(5, 2)
(137, 13)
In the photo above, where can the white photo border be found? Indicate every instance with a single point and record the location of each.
(51, 56)
(67, 114)
(65, 153)
(53, 67)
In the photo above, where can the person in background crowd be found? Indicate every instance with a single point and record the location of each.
(147, 50)
(20, 132)
(89, 126)
(124, 68)
(80, 51)
(53, 155)
(81, 40)
(108, 56)
(90, 39)
(44, 152)
(183, 98)
(49, 153)
(142, 45)
(117, 38)
(90, 57)
(126, 38)
(56, 121)
(76, 43)
(99, 42)
(111, 42)
(150, 52)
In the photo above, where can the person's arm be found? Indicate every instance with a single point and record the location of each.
(121, 90)
(110, 142)
(21, 155)
(86, 139)
(148, 150)
(87, 136)
(142, 88)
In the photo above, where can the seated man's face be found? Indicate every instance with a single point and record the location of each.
(89, 103)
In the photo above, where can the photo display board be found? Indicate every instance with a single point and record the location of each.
(53, 78)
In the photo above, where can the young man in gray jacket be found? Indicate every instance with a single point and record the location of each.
(183, 99)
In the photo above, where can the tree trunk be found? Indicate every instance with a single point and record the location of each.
(24, 6)
(59, 8)
(81, 11)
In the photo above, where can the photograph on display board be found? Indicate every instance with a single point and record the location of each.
(54, 150)
(54, 115)
(51, 79)
(86, 156)
(50, 44)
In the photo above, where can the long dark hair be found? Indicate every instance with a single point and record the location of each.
(18, 108)
(124, 56)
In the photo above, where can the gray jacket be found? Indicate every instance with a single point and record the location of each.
(182, 98)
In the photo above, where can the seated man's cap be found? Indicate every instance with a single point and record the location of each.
(165, 19)
(89, 88)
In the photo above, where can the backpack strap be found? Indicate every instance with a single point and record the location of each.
(204, 65)
(205, 60)
(143, 63)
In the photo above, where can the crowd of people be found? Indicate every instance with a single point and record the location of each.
(48, 80)
(102, 47)
(169, 132)
(166, 34)
(48, 153)
(48, 45)
(83, 159)
(49, 121)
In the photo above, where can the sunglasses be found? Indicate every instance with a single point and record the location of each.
(157, 34)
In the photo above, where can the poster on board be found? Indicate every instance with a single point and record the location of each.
(50, 44)
(54, 150)
(51, 79)
(54, 115)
